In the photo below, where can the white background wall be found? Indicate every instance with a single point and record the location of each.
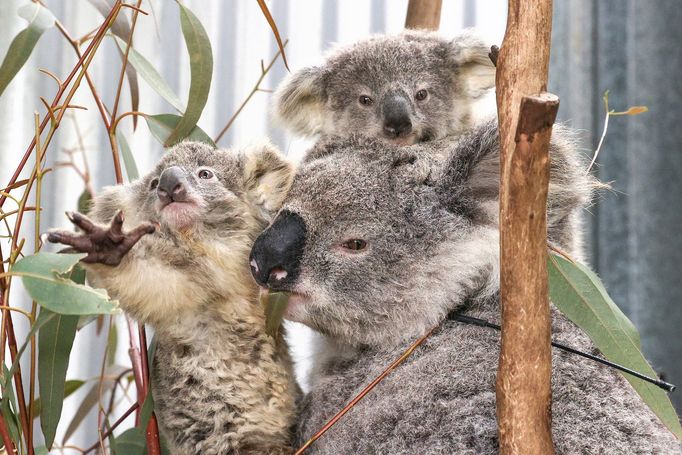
(240, 38)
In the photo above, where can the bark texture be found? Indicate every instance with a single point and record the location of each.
(523, 390)
(423, 14)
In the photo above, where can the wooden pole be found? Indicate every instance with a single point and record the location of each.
(423, 14)
(526, 115)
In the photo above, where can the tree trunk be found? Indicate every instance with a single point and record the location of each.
(423, 14)
(526, 115)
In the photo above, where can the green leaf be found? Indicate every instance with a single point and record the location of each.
(152, 77)
(40, 19)
(87, 404)
(46, 278)
(8, 408)
(121, 29)
(42, 450)
(8, 374)
(128, 159)
(131, 442)
(84, 201)
(55, 340)
(275, 304)
(581, 296)
(70, 387)
(161, 126)
(112, 344)
(201, 70)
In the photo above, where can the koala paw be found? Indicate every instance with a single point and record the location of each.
(104, 245)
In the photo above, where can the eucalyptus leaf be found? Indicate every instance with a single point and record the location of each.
(201, 71)
(275, 305)
(581, 296)
(112, 344)
(86, 405)
(84, 201)
(121, 28)
(46, 278)
(8, 408)
(162, 125)
(55, 340)
(128, 159)
(151, 76)
(148, 405)
(40, 19)
(131, 442)
(70, 387)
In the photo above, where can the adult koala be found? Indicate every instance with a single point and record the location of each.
(405, 88)
(377, 245)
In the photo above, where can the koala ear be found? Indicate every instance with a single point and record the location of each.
(476, 70)
(471, 174)
(267, 177)
(300, 102)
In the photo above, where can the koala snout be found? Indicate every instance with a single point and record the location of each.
(172, 185)
(276, 254)
(397, 121)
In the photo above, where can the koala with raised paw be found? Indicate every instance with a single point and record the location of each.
(380, 244)
(179, 261)
(402, 89)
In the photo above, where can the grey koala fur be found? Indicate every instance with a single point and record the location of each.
(221, 384)
(391, 70)
(429, 215)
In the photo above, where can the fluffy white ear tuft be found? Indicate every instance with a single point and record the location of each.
(267, 177)
(476, 70)
(300, 102)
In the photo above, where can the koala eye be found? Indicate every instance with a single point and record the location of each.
(354, 244)
(365, 100)
(205, 174)
(154, 184)
(421, 95)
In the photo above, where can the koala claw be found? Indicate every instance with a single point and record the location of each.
(103, 245)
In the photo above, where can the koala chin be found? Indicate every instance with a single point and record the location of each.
(221, 384)
(379, 244)
(401, 89)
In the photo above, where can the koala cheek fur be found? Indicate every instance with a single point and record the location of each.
(429, 215)
(221, 384)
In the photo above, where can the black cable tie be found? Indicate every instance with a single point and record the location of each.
(483, 323)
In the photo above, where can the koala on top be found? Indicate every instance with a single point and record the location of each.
(381, 243)
(403, 89)
(221, 384)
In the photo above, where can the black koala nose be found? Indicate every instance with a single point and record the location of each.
(276, 254)
(397, 121)
(172, 185)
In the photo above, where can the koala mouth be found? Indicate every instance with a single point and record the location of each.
(296, 308)
(180, 215)
(410, 139)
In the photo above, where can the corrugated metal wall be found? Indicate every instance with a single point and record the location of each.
(241, 38)
(632, 49)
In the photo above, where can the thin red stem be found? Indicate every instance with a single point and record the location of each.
(364, 392)
(6, 438)
(102, 30)
(113, 427)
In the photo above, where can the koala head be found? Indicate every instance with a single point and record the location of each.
(199, 192)
(378, 243)
(402, 89)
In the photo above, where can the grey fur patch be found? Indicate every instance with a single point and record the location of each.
(429, 215)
